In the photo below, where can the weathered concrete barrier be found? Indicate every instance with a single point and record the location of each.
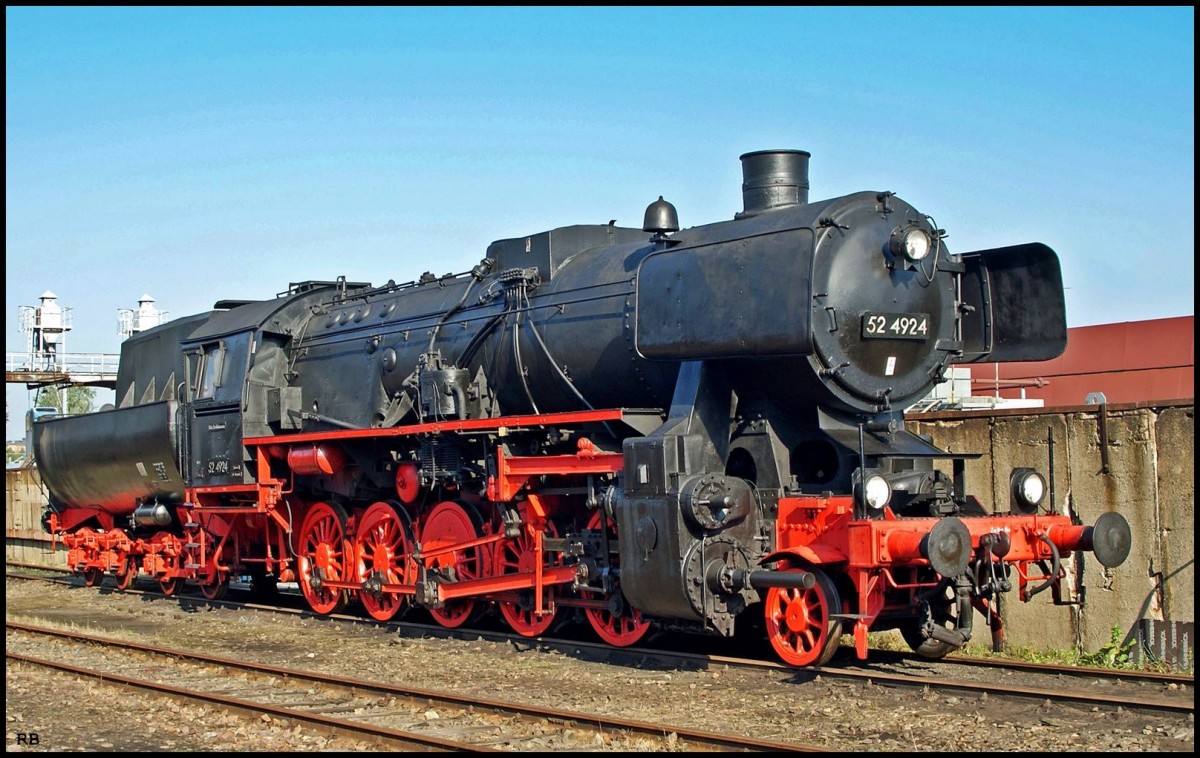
(1136, 459)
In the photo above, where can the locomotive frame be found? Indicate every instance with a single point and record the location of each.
(643, 428)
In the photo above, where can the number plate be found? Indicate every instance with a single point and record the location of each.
(895, 326)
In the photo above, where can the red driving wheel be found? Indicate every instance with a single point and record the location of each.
(625, 627)
(518, 555)
(384, 550)
(322, 557)
(450, 523)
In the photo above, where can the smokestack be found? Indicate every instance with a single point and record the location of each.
(773, 179)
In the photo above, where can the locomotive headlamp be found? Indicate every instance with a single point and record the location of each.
(1027, 488)
(910, 244)
(916, 245)
(872, 492)
(876, 492)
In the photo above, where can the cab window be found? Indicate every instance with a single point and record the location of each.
(210, 363)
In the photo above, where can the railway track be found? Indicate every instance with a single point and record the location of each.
(1157, 691)
(388, 712)
(698, 690)
(397, 739)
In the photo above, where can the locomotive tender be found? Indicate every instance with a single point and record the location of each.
(685, 429)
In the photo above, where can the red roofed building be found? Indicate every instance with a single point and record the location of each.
(1129, 362)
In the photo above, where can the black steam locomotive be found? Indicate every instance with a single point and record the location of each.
(640, 428)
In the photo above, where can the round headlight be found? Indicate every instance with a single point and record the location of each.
(916, 244)
(1033, 488)
(1028, 489)
(877, 492)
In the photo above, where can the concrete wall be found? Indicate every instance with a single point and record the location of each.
(1149, 479)
(1145, 472)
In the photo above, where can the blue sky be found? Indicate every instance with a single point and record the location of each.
(205, 154)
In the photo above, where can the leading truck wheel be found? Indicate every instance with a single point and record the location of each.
(945, 614)
(620, 629)
(926, 647)
(322, 557)
(801, 623)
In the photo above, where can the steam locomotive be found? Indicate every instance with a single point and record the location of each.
(658, 428)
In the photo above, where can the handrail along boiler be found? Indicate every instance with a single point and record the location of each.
(686, 429)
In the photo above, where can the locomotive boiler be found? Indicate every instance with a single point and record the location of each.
(657, 428)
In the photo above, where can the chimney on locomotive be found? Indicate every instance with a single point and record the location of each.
(773, 179)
